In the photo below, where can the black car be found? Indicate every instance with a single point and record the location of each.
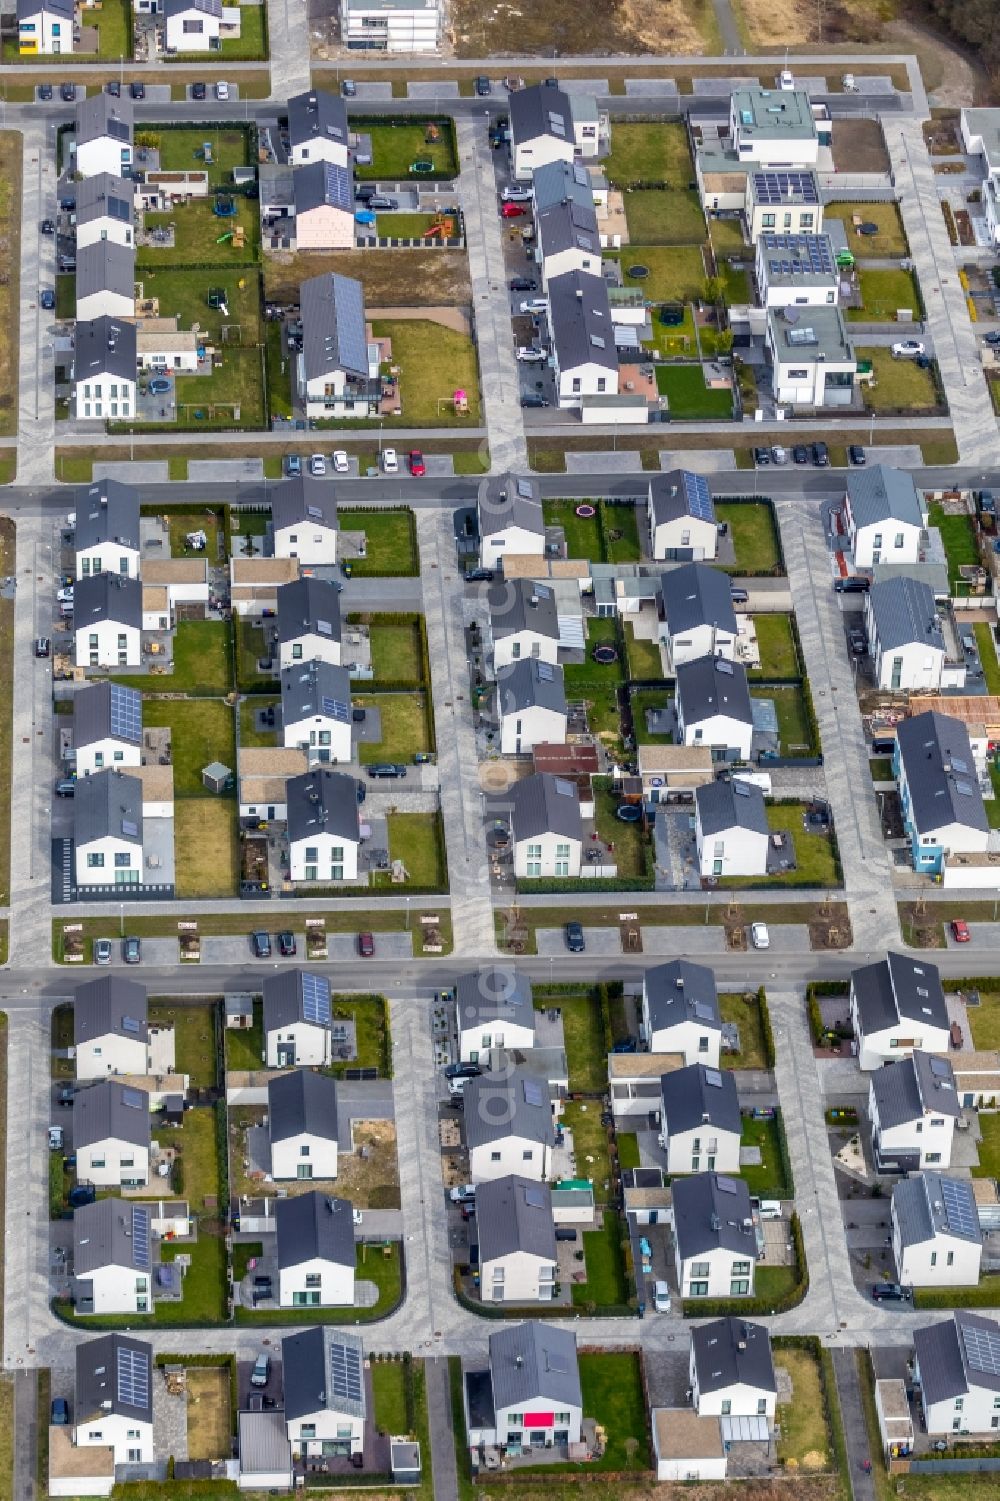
(479, 576)
(48, 227)
(286, 945)
(386, 769)
(138, 90)
(761, 456)
(858, 641)
(522, 284)
(132, 950)
(856, 454)
(532, 399)
(365, 192)
(260, 944)
(575, 941)
(84, 1193)
(66, 1094)
(42, 646)
(993, 337)
(198, 91)
(890, 1292)
(821, 455)
(857, 583)
(382, 201)
(114, 88)
(47, 298)
(483, 86)
(67, 91)
(45, 91)
(362, 790)
(462, 1071)
(800, 454)
(66, 787)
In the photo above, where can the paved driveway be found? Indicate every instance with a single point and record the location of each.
(552, 941)
(684, 940)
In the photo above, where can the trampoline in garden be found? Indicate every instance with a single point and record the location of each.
(585, 511)
(605, 655)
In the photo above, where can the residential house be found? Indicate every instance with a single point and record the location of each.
(956, 1368)
(318, 129)
(567, 239)
(113, 1405)
(493, 1009)
(698, 619)
(549, 125)
(308, 622)
(45, 27)
(302, 1125)
(773, 128)
(713, 707)
(634, 1084)
(670, 773)
(582, 336)
(944, 815)
(112, 1258)
(316, 710)
(107, 727)
(784, 200)
(813, 363)
(524, 622)
(715, 1249)
(107, 831)
(104, 369)
(685, 1446)
(264, 772)
(297, 1015)
(562, 181)
(546, 826)
(700, 1124)
(304, 520)
(905, 636)
(732, 834)
(516, 1241)
(323, 196)
(391, 25)
(680, 1011)
(162, 347)
(316, 1254)
(105, 281)
(103, 135)
(110, 1028)
(198, 25)
(324, 1388)
(980, 132)
(107, 620)
(531, 703)
(681, 517)
(106, 534)
(111, 1135)
(732, 1377)
(255, 583)
(323, 829)
(510, 518)
(883, 516)
(913, 1106)
(508, 1126)
(937, 1239)
(897, 1004)
(796, 270)
(105, 209)
(530, 1397)
(265, 1455)
(337, 370)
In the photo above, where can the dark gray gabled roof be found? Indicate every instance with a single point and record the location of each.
(512, 1106)
(904, 613)
(108, 805)
(678, 493)
(332, 309)
(105, 266)
(290, 994)
(104, 346)
(733, 1352)
(680, 991)
(308, 606)
(317, 115)
(114, 1374)
(534, 1360)
(106, 511)
(302, 1103)
(580, 320)
(561, 182)
(712, 1212)
(699, 1096)
(514, 1214)
(323, 1371)
(545, 804)
(540, 110)
(940, 771)
(304, 499)
(106, 711)
(102, 115)
(931, 1204)
(711, 685)
(325, 185)
(522, 605)
(567, 226)
(731, 804)
(694, 595)
(322, 802)
(315, 688)
(508, 500)
(109, 1110)
(529, 684)
(913, 1087)
(111, 1232)
(898, 988)
(104, 196)
(64, 9)
(956, 1354)
(497, 992)
(311, 1226)
(879, 493)
(107, 596)
(179, 7)
(110, 1005)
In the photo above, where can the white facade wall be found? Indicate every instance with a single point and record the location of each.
(524, 644)
(931, 1136)
(335, 1285)
(105, 302)
(538, 152)
(509, 1421)
(944, 1261)
(704, 1149)
(511, 1154)
(105, 643)
(513, 541)
(107, 557)
(161, 361)
(96, 863)
(573, 258)
(310, 541)
(786, 218)
(546, 855)
(391, 30)
(688, 532)
(717, 1269)
(588, 379)
(888, 542)
(914, 668)
(293, 1154)
(312, 1045)
(105, 228)
(719, 732)
(702, 641)
(131, 1439)
(334, 1427)
(895, 1042)
(978, 1411)
(103, 155)
(522, 731)
(111, 1054)
(309, 648)
(118, 1289)
(336, 858)
(803, 382)
(320, 149)
(479, 1039)
(105, 753)
(743, 1401)
(517, 1278)
(112, 1163)
(43, 33)
(104, 398)
(322, 739)
(695, 1043)
(713, 1468)
(734, 852)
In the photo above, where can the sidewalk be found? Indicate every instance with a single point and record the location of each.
(445, 1469)
(36, 423)
(855, 1429)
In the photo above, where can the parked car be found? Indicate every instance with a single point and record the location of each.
(137, 90)
(821, 455)
(59, 1412)
(779, 455)
(67, 91)
(960, 930)
(483, 85)
(479, 576)
(198, 91)
(575, 941)
(993, 337)
(516, 194)
(415, 459)
(529, 355)
(382, 769)
(907, 349)
(533, 399)
(132, 950)
(462, 1071)
(341, 464)
(42, 646)
(286, 944)
(83, 1193)
(65, 787)
(260, 944)
(102, 950)
(348, 88)
(317, 465)
(47, 298)
(48, 227)
(45, 91)
(858, 641)
(761, 457)
(513, 210)
(114, 88)
(366, 945)
(382, 201)
(293, 465)
(523, 284)
(856, 454)
(856, 583)
(661, 1297)
(800, 454)
(534, 305)
(463, 1193)
(261, 1369)
(759, 936)
(222, 91)
(55, 1138)
(390, 461)
(890, 1292)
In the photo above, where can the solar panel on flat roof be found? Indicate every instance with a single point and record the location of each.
(801, 336)
(778, 187)
(532, 1092)
(140, 1237)
(960, 1206)
(982, 1349)
(725, 1185)
(133, 1098)
(315, 1000)
(336, 708)
(345, 1371)
(545, 672)
(126, 712)
(133, 1377)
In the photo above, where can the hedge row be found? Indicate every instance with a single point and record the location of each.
(537, 1310)
(767, 1031)
(814, 990)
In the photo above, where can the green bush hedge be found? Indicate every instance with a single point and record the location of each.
(767, 1031)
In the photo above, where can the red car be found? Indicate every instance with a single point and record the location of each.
(416, 462)
(960, 930)
(513, 210)
(366, 945)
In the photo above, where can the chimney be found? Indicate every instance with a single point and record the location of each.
(519, 1360)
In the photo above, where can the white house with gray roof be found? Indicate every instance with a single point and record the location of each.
(304, 519)
(323, 1372)
(697, 615)
(905, 636)
(883, 516)
(567, 239)
(897, 1004)
(732, 833)
(112, 1258)
(531, 1397)
(941, 802)
(107, 728)
(323, 198)
(106, 534)
(510, 518)
(107, 621)
(569, 182)
(582, 336)
(113, 1405)
(516, 1241)
(715, 1248)
(680, 1011)
(797, 270)
(409, 26)
(315, 1250)
(111, 1135)
(103, 135)
(937, 1240)
(956, 1369)
(308, 622)
(45, 27)
(782, 198)
(549, 125)
(524, 622)
(104, 369)
(912, 1107)
(302, 1126)
(546, 826)
(297, 1015)
(508, 1126)
(531, 704)
(681, 517)
(316, 711)
(198, 25)
(105, 281)
(105, 210)
(323, 830)
(700, 1124)
(980, 131)
(318, 129)
(493, 1009)
(110, 1028)
(713, 707)
(813, 363)
(337, 370)
(107, 831)
(732, 1374)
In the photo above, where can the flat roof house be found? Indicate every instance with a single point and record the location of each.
(783, 199)
(45, 27)
(316, 710)
(530, 1397)
(732, 1376)
(942, 806)
(324, 832)
(508, 1126)
(531, 702)
(524, 622)
(297, 1017)
(107, 621)
(732, 833)
(304, 519)
(956, 1367)
(510, 518)
(980, 131)
(103, 135)
(110, 1028)
(549, 125)
(112, 1258)
(337, 371)
(883, 516)
(107, 727)
(905, 635)
(680, 1011)
(302, 1125)
(265, 1455)
(104, 369)
(325, 1403)
(316, 1251)
(106, 535)
(493, 1009)
(937, 1239)
(582, 334)
(105, 210)
(308, 622)
(700, 1123)
(111, 1135)
(813, 363)
(317, 128)
(713, 707)
(107, 831)
(798, 270)
(715, 1249)
(114, 1397)
(546, 826)
(913, 1106)
(773, 127)
(897, 1004)
(391, 25)
(698, 619)
(516, 1239)
(681, 517)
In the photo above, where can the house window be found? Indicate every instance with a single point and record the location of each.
(305, 1300)
(562, 1417)
(739, 1288)
(527, 1156)
(122, 859)
(767, 221)
(698, 1290)
(312, 853)
(696, 1164)
(899, 540)
(494, 1156)
(307, 1430)
(761, 1406)
(951, 1259)
(135, 1456)
(303, 1170)
(727, 1408)
(741, 1268)
(932, 1157)
(304, 1151)
(933, 1258)
(703, 1044)
(700, 1269)
(95, 861)
(98, 1162)
(297, 652)
(877, 540)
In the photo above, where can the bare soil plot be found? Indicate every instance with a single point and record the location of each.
(370, 1176)
(859, 146)
(414, 278)
(581, 27)
(208, 1412)
(781, 23)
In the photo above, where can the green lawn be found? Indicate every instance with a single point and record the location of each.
(621, 527)
(773, 1283)
(590, 1145)
(727, 236)
(583, 1038)
(605, 1263)
(65, 297)
(648, 699)
(669, 217)
(644, 661)
(596, 683)
(649, 153)
(370, 1014)
(195, 1039)
(205, 1285)
(202, 662)
(988, 656)
(985, 1294)
(250, 647)
(250, 736)
(688, 397)
(405, 726)
(409, 226)
(958, 536)
(198, 235)
(395, 145)
(245, 1046)
(612, 1392)
(754, 533)
(390, 542)
(185, 294)
(180, 149)
(628, 1150)
(884, 292)
(794, 735)
(632, 846)
(582, 533)
(768, 1180)
(418, 840)
(776, 640)
(676, 272)
(989, 1147)
(433, 362)
(233, 392)
(746, 1015)
(371, 1266)
(198, 1153)
(891, 239)
(389, 1391)
(397, 651)
(804, 1430)
(900, 385)
(814, 857)
(206, 848)
(737, 282)
(112, 25)
(202, 730)
(279, 375)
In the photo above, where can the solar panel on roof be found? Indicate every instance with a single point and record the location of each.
(534, 1196)
(703, 1011)
(126, 712)
(741, 789)
(725, 1185)
(315, 1000)
(314, 512)
(524, 489)
(133, 1377)
(982, 1349)
(532, 1092)
(940, 1067)
(349, 313)
(545, 671)
(778, 187)
(140, 1237)
(134, 1099)
(960, 1207)
(959, 763)
(698, 496)
(713, 1077)
(721, 665)
(130, 829)
(337, 709)
(129, 1024)
(965, 788)
(324, 627)
(345, 1372)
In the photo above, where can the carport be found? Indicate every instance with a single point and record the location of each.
(744, 1430)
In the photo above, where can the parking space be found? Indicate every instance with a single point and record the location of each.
(552, 941)
(343, 947)
(234, 949)
(707, 939)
